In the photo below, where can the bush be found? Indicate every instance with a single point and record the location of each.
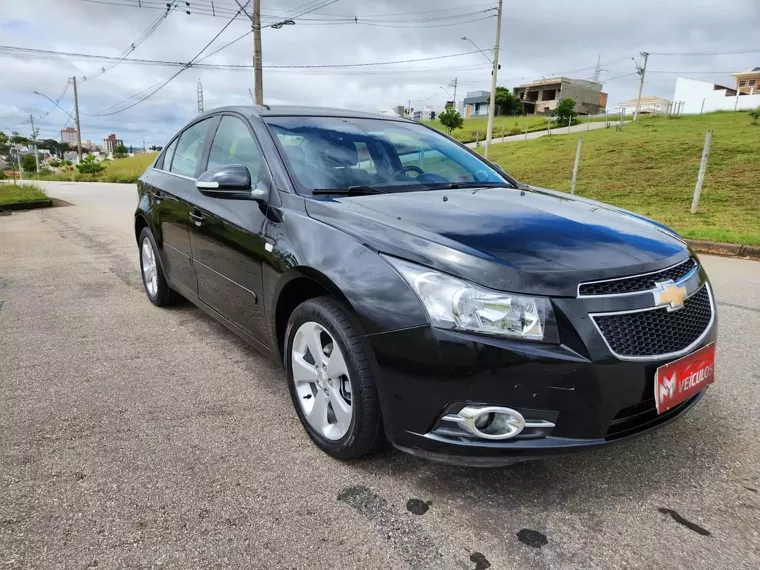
(515, 131)
(3, 176)
(89, 165)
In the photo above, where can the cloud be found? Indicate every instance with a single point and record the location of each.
(538, 39)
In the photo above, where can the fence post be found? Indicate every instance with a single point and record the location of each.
(477, 139)
(703, 106)
(577, 161)
(588, 122)
(569, 122)
(502, 133)
(526, 126)
(549, 121)
(701, 177)
(606, 124)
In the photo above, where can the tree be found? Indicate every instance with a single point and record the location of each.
(120, 151)
(508, 104)
(5, 148)
(90, 165)
(451, 119)
(16, 138)
(28, 163)
(55, 163)
(155, 147)
(565, 111)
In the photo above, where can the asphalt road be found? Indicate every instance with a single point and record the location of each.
(139, 437)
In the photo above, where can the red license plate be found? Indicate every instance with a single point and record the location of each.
(680, 380)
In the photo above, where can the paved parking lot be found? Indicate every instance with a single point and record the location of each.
(139, 437)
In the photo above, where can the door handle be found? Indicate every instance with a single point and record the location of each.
(197, 218)
(157, 196)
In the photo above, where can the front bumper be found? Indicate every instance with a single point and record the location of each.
(593, 399)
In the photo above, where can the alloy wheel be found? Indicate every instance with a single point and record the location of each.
(322, 382)
(149, 267)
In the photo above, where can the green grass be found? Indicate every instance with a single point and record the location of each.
(651, 167)
(21, 192)
(121, 170)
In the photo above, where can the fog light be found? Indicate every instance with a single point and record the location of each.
(489, 422)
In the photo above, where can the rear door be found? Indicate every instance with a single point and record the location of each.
(172, 195)
(227, 235)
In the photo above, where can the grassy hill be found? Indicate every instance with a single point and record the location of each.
(651, 168)
(476, 127)
(120, 170)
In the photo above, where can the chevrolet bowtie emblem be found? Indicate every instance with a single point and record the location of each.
(670, 294)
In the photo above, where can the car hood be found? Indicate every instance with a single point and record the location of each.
(531, 240)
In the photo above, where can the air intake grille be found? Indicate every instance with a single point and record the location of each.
(656, 332)
(637, 283)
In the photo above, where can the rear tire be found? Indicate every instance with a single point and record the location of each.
(334, 393)
(156, 287)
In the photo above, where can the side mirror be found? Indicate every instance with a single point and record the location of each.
(229, 181)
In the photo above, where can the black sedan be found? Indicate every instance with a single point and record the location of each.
(417, 294)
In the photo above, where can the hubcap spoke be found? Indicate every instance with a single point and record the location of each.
(314, 342)
(318, 413)
(149, 267)
(303, 371)
(336, 366)
(341, 408)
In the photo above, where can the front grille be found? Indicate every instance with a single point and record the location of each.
(657, 332)
(637, 283)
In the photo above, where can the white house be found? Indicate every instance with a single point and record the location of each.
(652, 105)
(700, 96)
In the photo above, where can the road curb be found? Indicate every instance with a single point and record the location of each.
(31, 205)
(725, 249)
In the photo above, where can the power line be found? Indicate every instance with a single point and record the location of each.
(704, 53)
(134, 45)
(170, 79)
(42, 54)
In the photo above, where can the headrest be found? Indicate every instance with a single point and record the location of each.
(341, 153)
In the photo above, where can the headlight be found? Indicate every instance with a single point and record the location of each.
(452, 303)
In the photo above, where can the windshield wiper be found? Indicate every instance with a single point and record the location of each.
(455, 185)
(350, 191)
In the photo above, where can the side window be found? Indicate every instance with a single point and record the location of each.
(189, 149)
(365, 158)
(166, 161)
(233, 144)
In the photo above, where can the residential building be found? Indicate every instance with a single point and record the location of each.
(110, 144)
(388, 112)
(748, 81)
(476, 104)
(703, 97)
(426, 114)
(543, 96)
(69, 135)
(649, 105)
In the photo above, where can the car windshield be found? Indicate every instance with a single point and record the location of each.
(338, 153)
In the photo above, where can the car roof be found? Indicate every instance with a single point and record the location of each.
(301, 111)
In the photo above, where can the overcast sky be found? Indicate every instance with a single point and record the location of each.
(538, 39)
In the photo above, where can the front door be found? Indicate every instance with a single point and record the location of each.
(227, 236)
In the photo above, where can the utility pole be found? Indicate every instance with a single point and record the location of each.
(492, 100)
(257, 51)
(199, 92)
(642, 72)
(34, 138)
(454, 85)
(76, 117)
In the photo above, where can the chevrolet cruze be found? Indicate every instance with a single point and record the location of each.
(419, 295)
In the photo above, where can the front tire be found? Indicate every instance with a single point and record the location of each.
(156, 287)
(332, 385)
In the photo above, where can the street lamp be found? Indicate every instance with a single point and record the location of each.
(278, 25)
(465, 38)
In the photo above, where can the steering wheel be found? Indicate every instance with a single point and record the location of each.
(408, 168)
